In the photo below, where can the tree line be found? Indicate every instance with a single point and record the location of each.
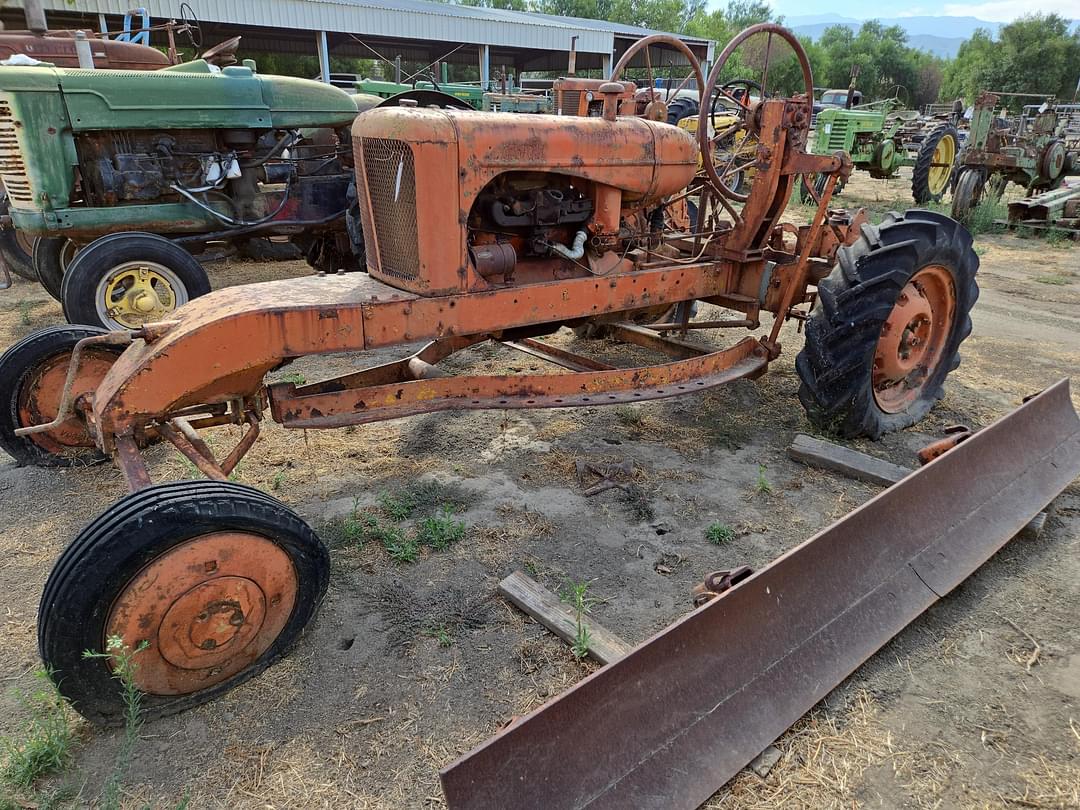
(1037, 53)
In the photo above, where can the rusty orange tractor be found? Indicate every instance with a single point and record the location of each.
(478, 227)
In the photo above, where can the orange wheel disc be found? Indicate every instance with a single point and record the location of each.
(206, 609)
(39, 398)
(913, 338)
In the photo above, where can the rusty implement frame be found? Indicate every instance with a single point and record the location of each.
(675, 719)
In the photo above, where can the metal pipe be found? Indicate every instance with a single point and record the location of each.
(574, 253)
(66, 408)
(672, 327)
(83, 51)
(132, 464)
(207, 467)
(245, 443)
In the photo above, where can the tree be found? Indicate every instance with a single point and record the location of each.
(1034, 54)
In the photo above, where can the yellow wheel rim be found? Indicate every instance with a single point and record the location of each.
(942, 164)
(135, 293)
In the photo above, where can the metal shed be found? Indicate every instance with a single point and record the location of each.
(417, 30)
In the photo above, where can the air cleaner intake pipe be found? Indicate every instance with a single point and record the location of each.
(573, 253)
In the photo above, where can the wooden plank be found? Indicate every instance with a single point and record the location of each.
(851, 463)
(863, 467)
(545, 607)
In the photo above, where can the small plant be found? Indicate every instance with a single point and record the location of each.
(45, 744)
(719, 533)
(278, 481)
(984, 216)
(441, 634)
(442, 531)
(629, 417)
(576, 595)
(762, 486)
(1057, 237)
(401, 547)
(1053, 278)
(294, 377)
(398, 505)
(121, 658)
(26, 312)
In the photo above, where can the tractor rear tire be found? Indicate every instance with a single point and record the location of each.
(681, 108)
(929, 182)
(124, 280)
(237, 577)
(887, 326)
(32, 374)
(51, 256)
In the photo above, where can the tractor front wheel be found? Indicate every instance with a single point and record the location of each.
(932, 174)
(968, 193)
(124, 280)
(33, 373)
(887, 326)
(199, 585)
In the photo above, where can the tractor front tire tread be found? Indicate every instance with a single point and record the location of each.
(119, 543)
(920, 173)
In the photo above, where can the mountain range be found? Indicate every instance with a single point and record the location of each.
(939, 35)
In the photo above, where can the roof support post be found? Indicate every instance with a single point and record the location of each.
(324, 56)
(605, 65)
(485, 67)
(103, 25)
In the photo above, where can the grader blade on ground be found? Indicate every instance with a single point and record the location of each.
(674, 720)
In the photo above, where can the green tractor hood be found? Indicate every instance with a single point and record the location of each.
(189, 96)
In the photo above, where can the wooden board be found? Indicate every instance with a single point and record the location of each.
(545, 607)
(851, 463)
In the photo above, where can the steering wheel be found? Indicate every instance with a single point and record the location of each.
(194, 28)
(656, 110)
(737, 143)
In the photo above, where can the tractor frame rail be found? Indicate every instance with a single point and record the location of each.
(686, 710)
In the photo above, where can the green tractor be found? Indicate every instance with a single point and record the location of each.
(1038, 152)
(880, 138)
(123, 176)
(471, 94)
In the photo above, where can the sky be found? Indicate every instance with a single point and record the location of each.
(992, 10)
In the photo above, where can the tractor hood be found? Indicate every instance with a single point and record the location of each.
(189, 96)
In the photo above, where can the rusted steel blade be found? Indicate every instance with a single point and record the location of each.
(674, 720)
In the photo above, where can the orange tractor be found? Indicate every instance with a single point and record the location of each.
(478, 227)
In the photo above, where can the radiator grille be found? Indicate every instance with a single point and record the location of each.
(12, 168)
(838, 134)
(569, 102)
(389, 209)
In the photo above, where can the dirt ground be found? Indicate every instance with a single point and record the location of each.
(409, 665)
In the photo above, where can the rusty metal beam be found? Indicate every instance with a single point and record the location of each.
(679, 716)
(354, 406)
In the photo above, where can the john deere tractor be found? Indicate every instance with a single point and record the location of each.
(1038, 152)
(141, 170)
(881, 137)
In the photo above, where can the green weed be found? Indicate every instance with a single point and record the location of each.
(441, 531)
(294, 377)
(762, 485)
(719, 533)
(121, 657)
(629, 417)
(1053, 278)
(576, 595)
(44, 746)
(440, 634)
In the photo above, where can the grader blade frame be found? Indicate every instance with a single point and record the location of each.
(674, 720)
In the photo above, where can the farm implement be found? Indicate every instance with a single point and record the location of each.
(476, 227)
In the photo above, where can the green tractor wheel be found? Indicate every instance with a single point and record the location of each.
(933, 170)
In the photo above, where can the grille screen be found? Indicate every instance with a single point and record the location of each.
(12, 168)
(569, 101)
(390, 191)
(838, 134)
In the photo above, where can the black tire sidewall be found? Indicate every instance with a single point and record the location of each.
(16, 364)
(120, 542)
(48, 263)
(97, 259)
(920, 175)
(18, 260)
